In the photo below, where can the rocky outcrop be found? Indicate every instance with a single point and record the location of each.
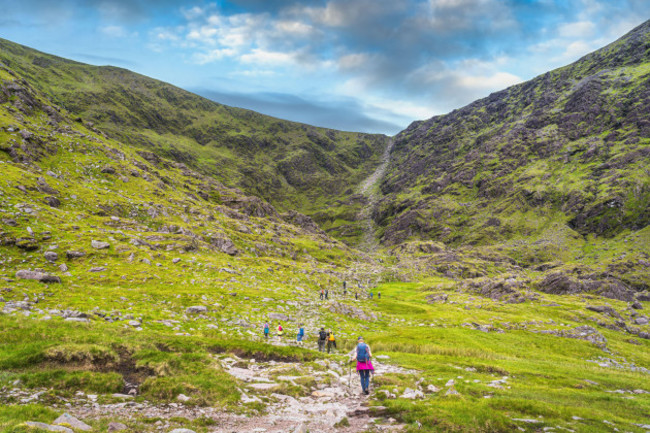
(561, 283)
(38, 276)
(350, 311)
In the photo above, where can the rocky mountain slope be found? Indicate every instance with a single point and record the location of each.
(570, 146)
(293, 166)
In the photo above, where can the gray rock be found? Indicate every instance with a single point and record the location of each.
(116, 426)
(52, 201)
(38, 276)
(63, 267)
(641, 321)
(278, 316)
(108, 169)
(97, 269)
(603, 309)
(134, 323)
(47, 427)
(51, 256)
(196, 309)
(72, 422)
(74, 254)
(183, 398)
(637, 305)
(223, 244)
(99, 245)
(182, 430)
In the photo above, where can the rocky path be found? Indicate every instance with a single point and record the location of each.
(319, 397)
(369, 243)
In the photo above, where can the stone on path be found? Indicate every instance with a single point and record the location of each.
(116, 426)
(182, 430)
(47, 427)
(51, 256)
(72, 422)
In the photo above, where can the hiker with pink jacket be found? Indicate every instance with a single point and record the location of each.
(362, 354)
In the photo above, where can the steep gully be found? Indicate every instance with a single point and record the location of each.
(368, 189)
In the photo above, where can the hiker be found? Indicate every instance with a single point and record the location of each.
(370, 295)
(280, 331)
(322, 338)
(364, 366)
(331, 341)
(356, 296)
(378, 295)
(327, 294)
(266, 330)
(322, 294)
(301, 334)
(345, 288)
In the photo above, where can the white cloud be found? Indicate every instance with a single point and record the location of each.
(496, 81)
(579, 29)
(116, 32)
(272, 58)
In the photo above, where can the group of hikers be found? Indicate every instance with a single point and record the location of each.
(326, 339)
(324, 293)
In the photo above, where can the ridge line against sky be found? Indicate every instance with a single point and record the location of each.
(359, 65)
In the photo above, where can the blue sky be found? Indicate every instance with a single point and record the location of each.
(361, 65)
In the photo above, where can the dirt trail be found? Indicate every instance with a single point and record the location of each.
(333, 403)
(367, 188)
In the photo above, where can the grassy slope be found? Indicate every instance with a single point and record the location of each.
(293, 166)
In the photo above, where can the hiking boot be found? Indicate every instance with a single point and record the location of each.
(366, 392)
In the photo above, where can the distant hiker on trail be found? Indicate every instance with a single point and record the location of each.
(378, 295)
(356, 296)
(370, 295)
(322, 294)
(322, 338)
(327, 294)
(362, 355)
(345, 288)
(280, 331)
(331, 341)
(301, 334)
(266, 330)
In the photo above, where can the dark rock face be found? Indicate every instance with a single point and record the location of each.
(74, 254)
(560, 283)
(52, 201)
(603, 309)
(223, 244)
(303, 221)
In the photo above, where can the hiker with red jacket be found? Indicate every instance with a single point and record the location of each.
(362, 355)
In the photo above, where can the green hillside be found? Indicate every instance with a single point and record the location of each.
(291, 165)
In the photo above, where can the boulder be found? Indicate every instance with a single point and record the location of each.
(38, 276)
(196, 309)
(603, 309)
(116, 426)
(641, 321)
(74, 254)
(637, 305)
(99, 245)
(52, 201)
(51, 256)
(73, 422)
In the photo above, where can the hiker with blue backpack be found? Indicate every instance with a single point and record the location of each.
(266, 330)
(301, 335)
(362, 355)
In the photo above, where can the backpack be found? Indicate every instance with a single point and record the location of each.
(322, 336)
(332, 336)
(266, 328)
(362, 352)
(301, 331)
(280, 328)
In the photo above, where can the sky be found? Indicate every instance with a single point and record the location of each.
(357, 65)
